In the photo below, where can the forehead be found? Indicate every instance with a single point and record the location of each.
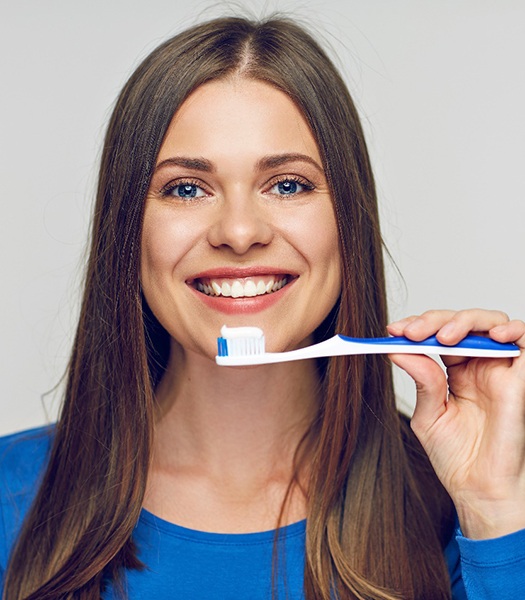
(238, 113)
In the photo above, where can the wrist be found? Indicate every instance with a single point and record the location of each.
(490, 519)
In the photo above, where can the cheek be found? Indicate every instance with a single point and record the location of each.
(322, 242)
(314, 234)
(331, 272)
(324, 252)
(165, 242)
(155, 256)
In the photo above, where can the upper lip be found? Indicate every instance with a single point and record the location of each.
(238, 272)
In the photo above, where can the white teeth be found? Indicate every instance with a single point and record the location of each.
(250, 289)
(237, 289)
(240, 289)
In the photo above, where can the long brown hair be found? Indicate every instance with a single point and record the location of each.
(377, 518)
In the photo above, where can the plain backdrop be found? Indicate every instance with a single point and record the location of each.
(439, 84)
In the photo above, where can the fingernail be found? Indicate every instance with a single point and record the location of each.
(448, 329)
(498, 329)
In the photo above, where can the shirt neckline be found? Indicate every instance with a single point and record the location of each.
(161, 525)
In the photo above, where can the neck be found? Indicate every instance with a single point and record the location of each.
(221, 416)
(233, 432)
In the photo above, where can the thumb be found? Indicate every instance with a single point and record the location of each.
(431, 388)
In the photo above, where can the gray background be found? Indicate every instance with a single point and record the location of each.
(440, 86)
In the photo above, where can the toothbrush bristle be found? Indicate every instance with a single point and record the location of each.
(240, 341)
(240, 346)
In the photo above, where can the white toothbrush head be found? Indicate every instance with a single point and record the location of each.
(239, 341)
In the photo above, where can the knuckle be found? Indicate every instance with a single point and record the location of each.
(503, 315)
(431, 314)
(466, 313)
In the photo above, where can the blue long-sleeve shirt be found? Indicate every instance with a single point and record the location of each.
(183, 563)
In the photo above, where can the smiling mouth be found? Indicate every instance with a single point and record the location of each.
(241, 287)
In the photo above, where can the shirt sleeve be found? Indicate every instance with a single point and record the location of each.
(493, 568)
(3, 550)
(453, 560)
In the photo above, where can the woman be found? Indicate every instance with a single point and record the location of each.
(235, 188)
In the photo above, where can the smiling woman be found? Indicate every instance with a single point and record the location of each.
(253, 233)
(235, 187)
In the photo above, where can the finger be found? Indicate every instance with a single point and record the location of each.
(510, 331)
(452, 326)
(427, 324)
(513, 331)
(415, 322)
(466, 321)
(431, 388)
(397, 327)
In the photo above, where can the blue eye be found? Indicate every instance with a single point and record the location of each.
(186, 190)
(289, 187)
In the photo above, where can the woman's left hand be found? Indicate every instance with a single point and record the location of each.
(473, 429)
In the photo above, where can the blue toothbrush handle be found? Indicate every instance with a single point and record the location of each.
(470, 341)
(249, 350)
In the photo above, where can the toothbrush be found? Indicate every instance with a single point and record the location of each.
(240, 346)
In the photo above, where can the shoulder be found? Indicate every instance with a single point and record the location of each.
(23, 458)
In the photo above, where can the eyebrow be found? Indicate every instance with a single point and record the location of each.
(266, 162)
(277, 160)
(196, 164)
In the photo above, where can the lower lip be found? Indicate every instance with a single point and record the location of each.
(242, 306)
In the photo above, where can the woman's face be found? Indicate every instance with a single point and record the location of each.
(239, 227)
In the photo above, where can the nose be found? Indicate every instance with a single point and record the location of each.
(240, 224)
